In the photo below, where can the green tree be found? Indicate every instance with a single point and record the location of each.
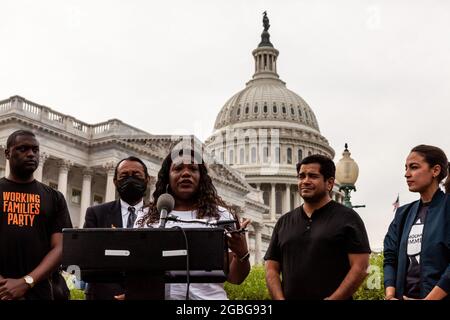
(253, 288)
(372, 287)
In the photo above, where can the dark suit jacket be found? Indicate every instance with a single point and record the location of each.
(106, 215)
(435, 251)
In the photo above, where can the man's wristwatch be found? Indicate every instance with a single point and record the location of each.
(29, 280)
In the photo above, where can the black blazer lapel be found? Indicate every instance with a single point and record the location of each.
(116, 215)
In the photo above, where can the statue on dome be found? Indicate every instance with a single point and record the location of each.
(265, 36)
(266, 21)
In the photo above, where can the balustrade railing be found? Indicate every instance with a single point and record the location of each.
(5, 105)
(70, 124)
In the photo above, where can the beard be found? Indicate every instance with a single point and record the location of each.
(316, 197)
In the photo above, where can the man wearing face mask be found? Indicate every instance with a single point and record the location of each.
(131, 179)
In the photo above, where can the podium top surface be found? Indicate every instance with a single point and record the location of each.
(147, 249)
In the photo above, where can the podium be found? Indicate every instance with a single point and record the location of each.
(146, 259)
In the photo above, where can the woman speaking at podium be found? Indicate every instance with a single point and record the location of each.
(183, 175)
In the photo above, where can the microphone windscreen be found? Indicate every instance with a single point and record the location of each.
(165, 201)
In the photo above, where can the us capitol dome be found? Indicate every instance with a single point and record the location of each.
(265, 129)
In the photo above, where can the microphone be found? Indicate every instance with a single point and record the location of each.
(221, 222)
(172, 217)
(214, 223)
(164, 205)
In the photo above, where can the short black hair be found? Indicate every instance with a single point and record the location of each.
(327, 167)
(13, 136)
(433, 156)
(131, 158)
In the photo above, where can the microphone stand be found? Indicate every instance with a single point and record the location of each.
(210, 223)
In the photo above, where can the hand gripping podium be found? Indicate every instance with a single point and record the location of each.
(145, 259)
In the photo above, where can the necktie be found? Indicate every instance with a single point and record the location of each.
(131, 217)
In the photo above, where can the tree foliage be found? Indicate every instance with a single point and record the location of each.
(253, 288)
(372, 287)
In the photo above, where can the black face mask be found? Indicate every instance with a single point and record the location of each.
(131, 189)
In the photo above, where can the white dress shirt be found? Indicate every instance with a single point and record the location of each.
(125, 213)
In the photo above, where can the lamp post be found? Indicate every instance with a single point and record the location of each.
(346, 174)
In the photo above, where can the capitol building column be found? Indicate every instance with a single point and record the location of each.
(40, 169)
(273, 205)
(3, 165)
(85, 194)
(258, 242)
(287, 198)
(2, 169)
(297, 199)
(64, 166)
(7, 168)
(110, 193)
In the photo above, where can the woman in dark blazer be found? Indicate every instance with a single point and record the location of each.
(417, 244)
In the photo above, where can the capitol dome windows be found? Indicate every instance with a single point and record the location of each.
(277, 155)
(247, 139)
(253, 155)
(299, 155)
(279, 199)
(266, 154)
(274, 126)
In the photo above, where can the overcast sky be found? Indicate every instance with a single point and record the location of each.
(376, 73)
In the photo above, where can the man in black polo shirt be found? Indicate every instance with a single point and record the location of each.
(321, 248)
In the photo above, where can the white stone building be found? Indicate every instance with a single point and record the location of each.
(78, 159)
(264, 130)
(259, 136)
